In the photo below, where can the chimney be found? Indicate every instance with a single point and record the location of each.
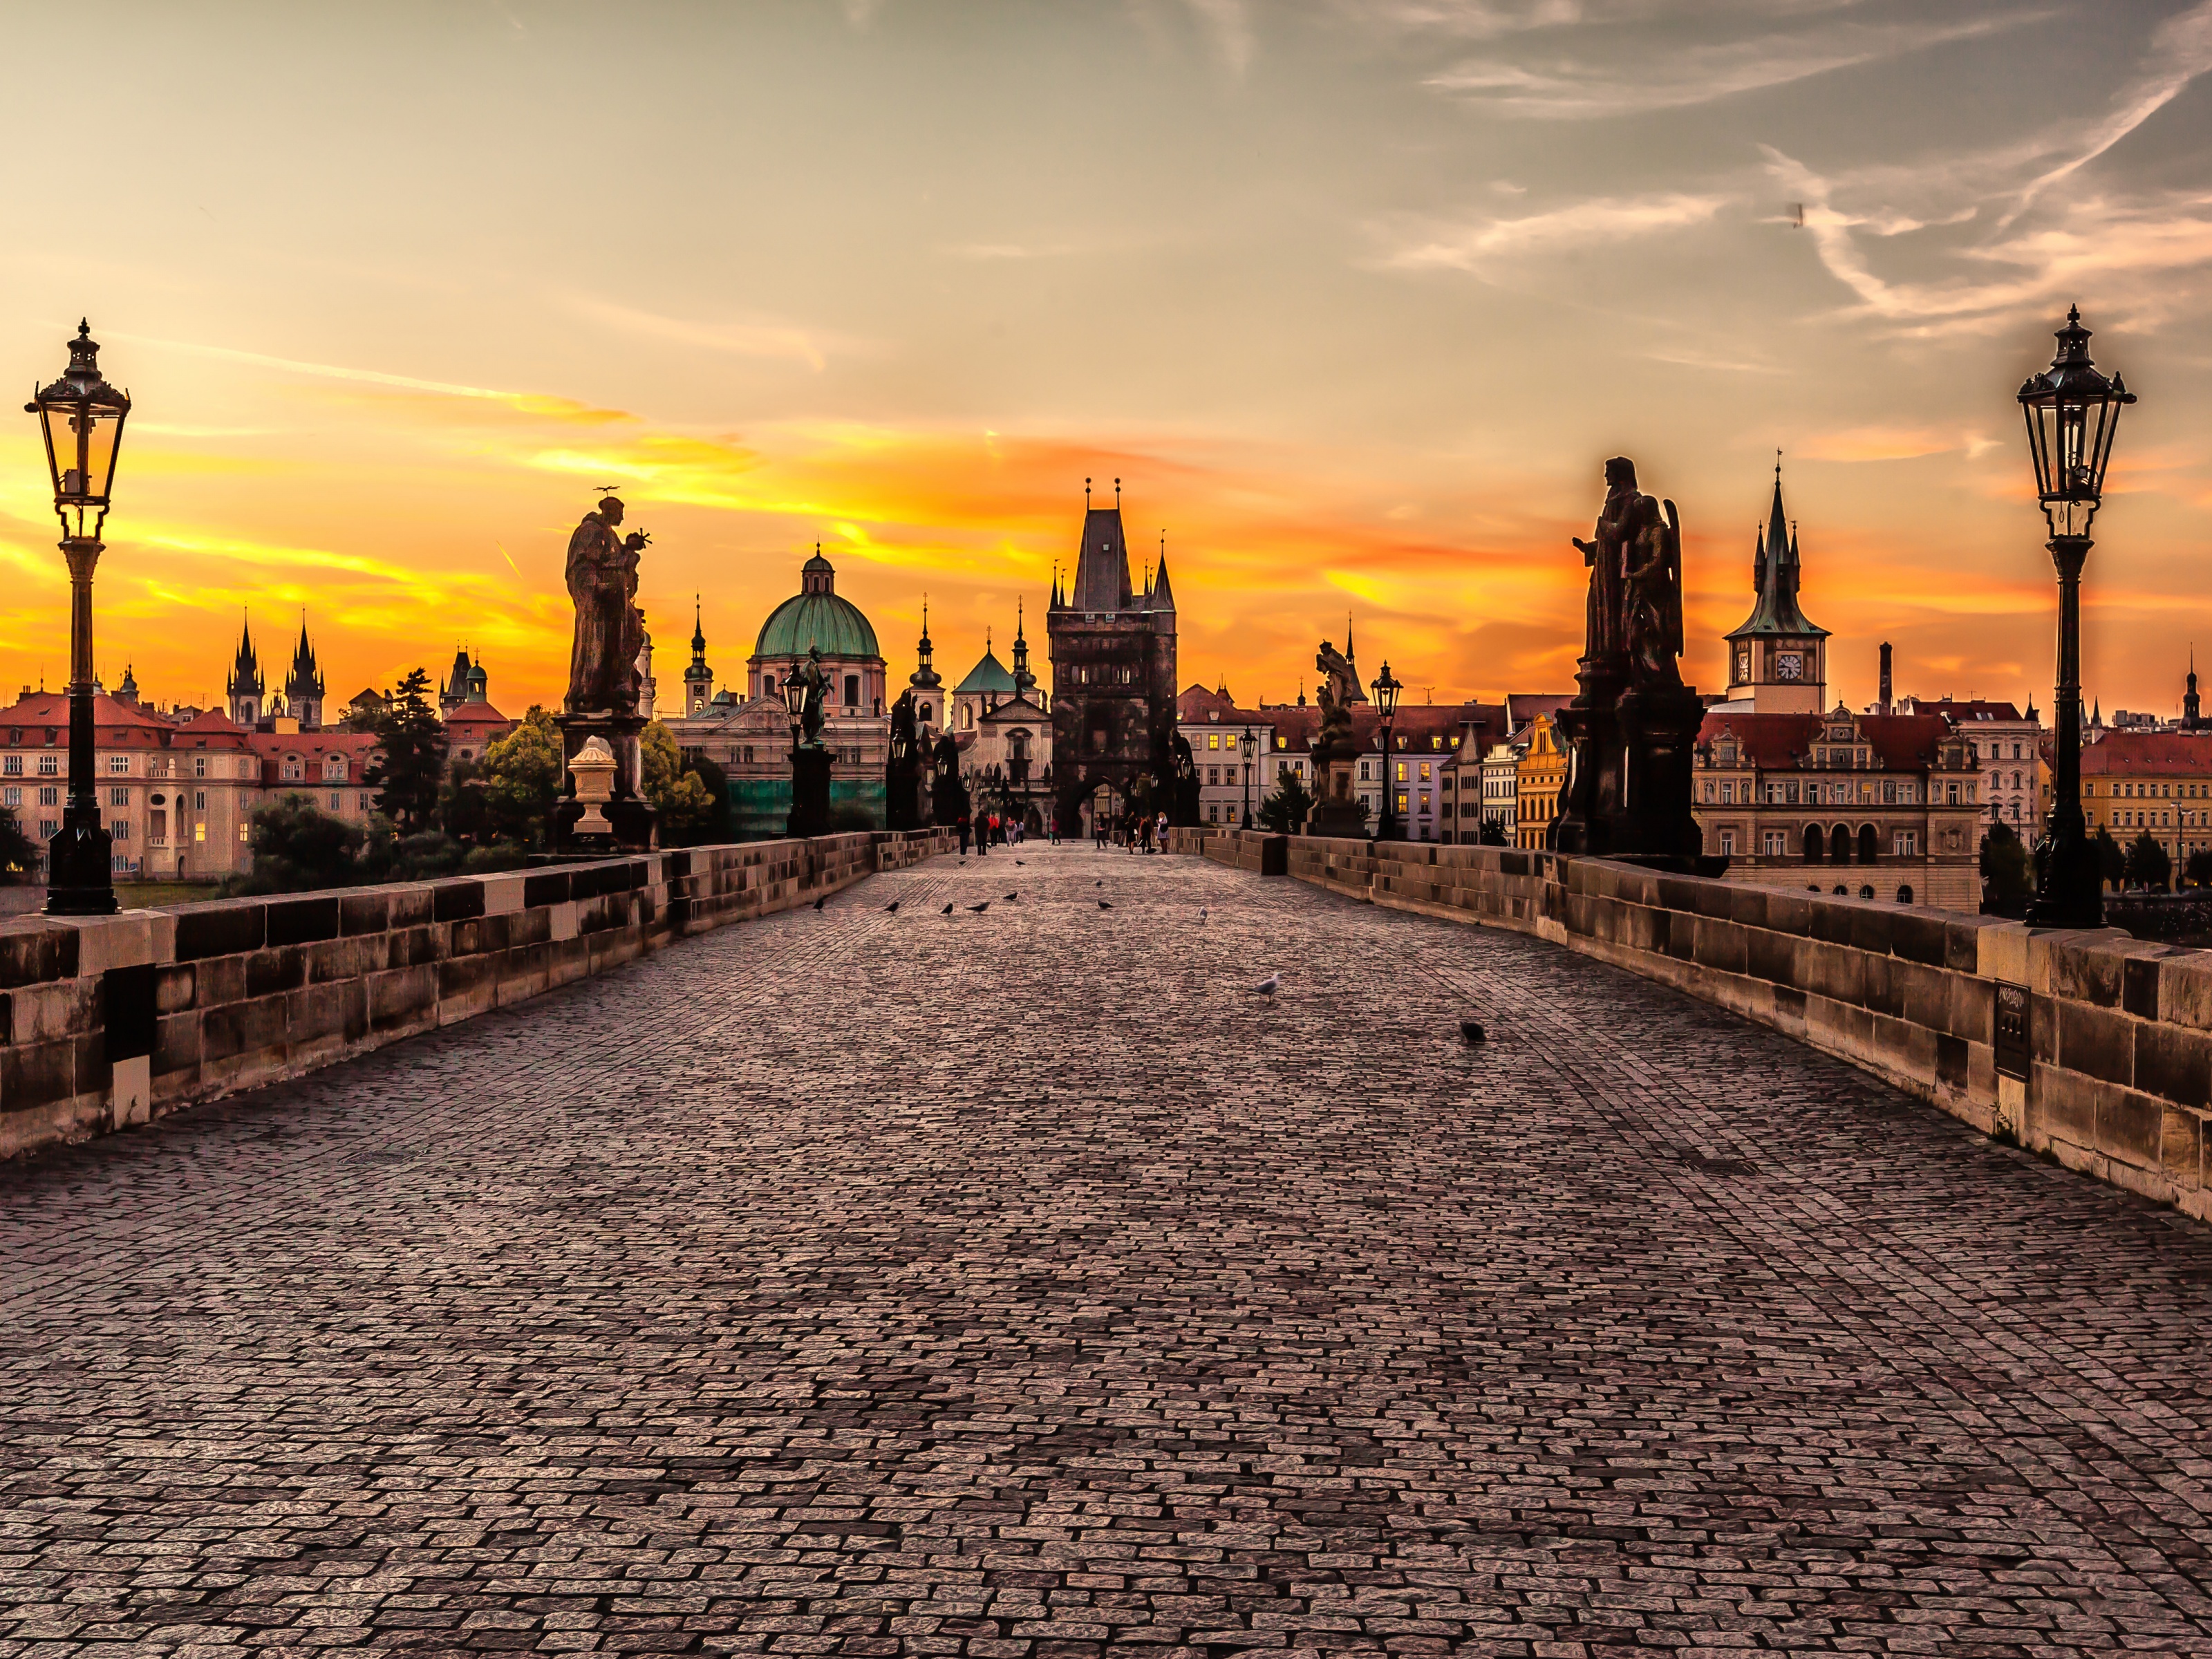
(1884, 677)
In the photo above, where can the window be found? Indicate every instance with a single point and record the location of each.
(199, 832)
(199, 800)
(1906, 844)
(119, 829)
(13, 766)
(50, 796)
(1954, 797)
(1728, 843)
(13, 797)
(119, 796)
(50, 766)
(243, 833)
(157, 826)
(199, 766)
(337, 801)
(1401, 803)
(1425, 771)
(1213, 740)
(119, 764)
(851, 689)
(1401, 771)
(1727, 792)
(1772, 844)
(364, 797)
(1363, 771)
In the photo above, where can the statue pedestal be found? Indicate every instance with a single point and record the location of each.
(1338, 809)
(632, 826)
(906, 803)
(1628, 779)
(809, 792)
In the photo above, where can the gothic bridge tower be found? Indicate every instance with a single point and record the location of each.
(1113, 651)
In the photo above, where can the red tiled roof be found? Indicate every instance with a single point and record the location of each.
(2148, 754)
(477, 714)
(1901, 743)
(1966, 708)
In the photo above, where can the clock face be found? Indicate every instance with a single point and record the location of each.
(1789, 665)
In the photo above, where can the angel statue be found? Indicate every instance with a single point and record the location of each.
(1338, 690)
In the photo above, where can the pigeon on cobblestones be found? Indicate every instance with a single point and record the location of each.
(1268, 986)
(946, 911)
(980, 908)
(891, 909)
(1201, 913)
(1009, 898)
(823, 900)
(1471, 1032)
(1103, 905)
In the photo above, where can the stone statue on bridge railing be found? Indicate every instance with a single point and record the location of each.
(1337, 808)
(608, 640)
(1633, 729)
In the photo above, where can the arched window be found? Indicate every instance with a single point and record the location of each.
(1840, 845)
(1842, 891)
(1867, 846)
(1815, 845)
(1904, 894)
(1866, 892)
(967, 717)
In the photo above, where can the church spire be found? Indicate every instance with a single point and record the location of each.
(698, 630)
(1024, 681)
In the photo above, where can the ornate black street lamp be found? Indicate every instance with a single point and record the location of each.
(1248, 745)
(801, 823)
(1386, 690)
(2073, 414)
(81, 417)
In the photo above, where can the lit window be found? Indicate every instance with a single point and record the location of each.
(199, 832)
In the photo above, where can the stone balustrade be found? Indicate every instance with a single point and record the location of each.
(2111, 1037)
(106, 1022)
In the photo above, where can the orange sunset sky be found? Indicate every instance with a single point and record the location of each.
(1355, 298)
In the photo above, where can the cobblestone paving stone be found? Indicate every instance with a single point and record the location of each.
(1021, 1284)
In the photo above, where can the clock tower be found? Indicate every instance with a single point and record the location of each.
(1778, 660)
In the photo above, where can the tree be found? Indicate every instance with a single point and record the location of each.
(2198, 872)
(2147, 866)
(522, 779)
(461, 811)
(19, 853)
(1493, 831)
(680, 796)
(1285, 811)
(412, 764)
(298, 847)
(719, 827)
(2112, 862)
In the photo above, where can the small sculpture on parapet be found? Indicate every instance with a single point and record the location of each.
(1338, 690)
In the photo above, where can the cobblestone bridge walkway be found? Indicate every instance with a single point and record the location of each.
(1017, 1284)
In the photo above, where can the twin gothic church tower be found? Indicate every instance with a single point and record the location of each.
(1113, 652)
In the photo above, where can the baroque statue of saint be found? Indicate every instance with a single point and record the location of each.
(1338, 690)
(817, 683)
(1604, 632)
(1634, 615)
(602, 574)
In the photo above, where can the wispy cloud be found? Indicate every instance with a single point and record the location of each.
(1635, 74)
(2180, 51)
(741, 338)
(1485, 242)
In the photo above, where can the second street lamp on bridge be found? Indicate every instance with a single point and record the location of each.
(1248, 745)
(81, 417)
(1386, 690)
(2073, 414)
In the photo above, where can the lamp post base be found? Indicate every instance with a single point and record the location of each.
(80, 875)
(2069, 885)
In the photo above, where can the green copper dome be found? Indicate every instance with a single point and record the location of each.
(816, 616)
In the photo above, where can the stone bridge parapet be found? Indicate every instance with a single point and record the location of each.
(106, 1022)
(2111, 1037)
